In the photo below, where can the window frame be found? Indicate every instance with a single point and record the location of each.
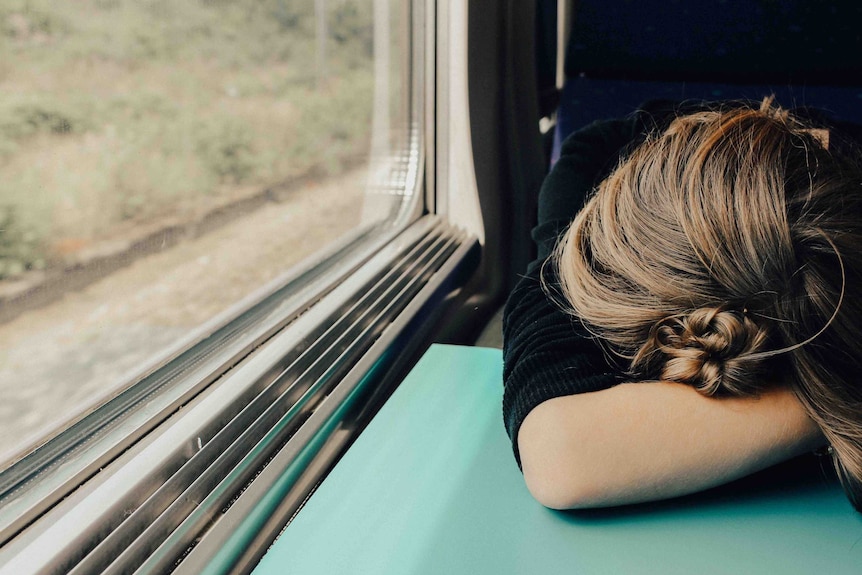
(56, 479)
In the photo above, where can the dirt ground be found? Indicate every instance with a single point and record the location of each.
(57, 358)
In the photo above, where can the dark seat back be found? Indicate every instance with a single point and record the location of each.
(621, 54)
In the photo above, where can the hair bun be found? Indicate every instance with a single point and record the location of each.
(711, 348)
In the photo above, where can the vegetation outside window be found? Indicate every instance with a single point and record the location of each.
(162, 160)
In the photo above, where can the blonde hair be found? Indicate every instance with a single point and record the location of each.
(726, 253)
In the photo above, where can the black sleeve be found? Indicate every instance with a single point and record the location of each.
(546, 352)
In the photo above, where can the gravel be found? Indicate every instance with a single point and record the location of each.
(56, 360)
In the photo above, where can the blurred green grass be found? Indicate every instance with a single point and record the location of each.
(116, 112)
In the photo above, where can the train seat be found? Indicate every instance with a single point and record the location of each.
(621, 54)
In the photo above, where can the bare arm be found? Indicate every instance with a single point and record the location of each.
(652, 440)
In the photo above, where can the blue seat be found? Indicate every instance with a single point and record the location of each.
(621, 54)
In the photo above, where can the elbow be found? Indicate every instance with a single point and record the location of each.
(547, 495)
(556, 473)
(561, 495)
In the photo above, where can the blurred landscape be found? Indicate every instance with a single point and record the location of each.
(55, 360)
(119, 117)
(115, 113)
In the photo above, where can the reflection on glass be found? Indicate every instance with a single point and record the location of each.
(161, 159)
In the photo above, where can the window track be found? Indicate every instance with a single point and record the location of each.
(263, 421)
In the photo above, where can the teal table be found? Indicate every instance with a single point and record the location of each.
(430, 487)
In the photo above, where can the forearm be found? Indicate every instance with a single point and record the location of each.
(653, 440)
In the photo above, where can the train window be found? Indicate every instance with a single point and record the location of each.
(162, 160)
(213, 214)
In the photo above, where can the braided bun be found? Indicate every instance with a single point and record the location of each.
(712, 349)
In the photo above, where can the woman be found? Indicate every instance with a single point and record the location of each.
(701, 317)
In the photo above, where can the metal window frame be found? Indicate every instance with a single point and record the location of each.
(60, 500)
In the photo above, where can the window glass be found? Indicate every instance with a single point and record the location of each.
(161, 159)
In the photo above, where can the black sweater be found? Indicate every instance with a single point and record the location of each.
(546, 352)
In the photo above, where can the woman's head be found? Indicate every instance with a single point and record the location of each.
(726, 253)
